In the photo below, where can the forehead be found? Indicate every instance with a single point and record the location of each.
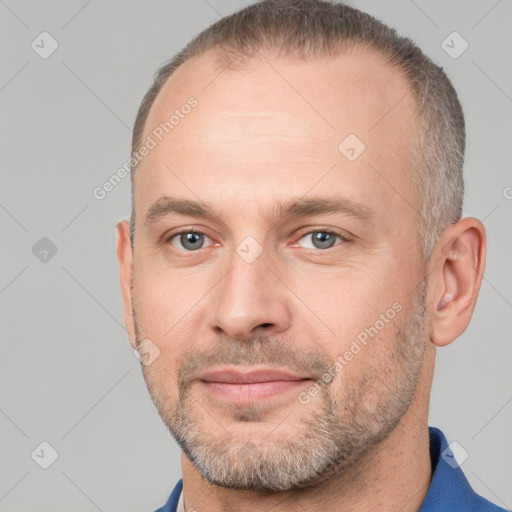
(281, 121)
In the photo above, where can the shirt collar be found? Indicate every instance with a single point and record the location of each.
(449, 489)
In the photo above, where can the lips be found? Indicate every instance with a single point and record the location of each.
(249, 377)
(239, 386)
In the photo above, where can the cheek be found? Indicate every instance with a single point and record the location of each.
(167, 312)
(350, 301)
(162, 385)
(366, 363)
(164, 300)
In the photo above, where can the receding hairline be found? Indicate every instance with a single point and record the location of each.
(223, 63)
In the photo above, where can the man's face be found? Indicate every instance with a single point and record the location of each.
(267, 284)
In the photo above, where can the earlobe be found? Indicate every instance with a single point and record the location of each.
(125, 260)
(460, 263)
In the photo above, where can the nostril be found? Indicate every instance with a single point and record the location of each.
(266, 324)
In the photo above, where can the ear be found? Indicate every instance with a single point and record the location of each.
(458, 272)
(125, 259)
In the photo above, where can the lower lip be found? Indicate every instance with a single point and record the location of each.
(252, 391)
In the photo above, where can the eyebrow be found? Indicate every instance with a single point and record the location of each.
(293, 208)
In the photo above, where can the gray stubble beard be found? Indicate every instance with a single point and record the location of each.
(327, 442)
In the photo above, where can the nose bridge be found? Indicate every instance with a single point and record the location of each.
(248, 297)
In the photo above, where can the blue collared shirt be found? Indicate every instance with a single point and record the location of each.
(449, 489)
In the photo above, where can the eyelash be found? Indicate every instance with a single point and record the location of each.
(321, 230)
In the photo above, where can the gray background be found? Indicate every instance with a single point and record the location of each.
(67, 373)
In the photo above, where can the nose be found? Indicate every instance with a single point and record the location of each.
(250, 300)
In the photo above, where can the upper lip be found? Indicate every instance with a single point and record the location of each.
(249, 376)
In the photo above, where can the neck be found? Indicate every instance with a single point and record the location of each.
(395, 475)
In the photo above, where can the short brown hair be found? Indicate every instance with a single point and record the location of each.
(313, 29)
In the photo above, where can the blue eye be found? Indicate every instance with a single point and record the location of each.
(189, 240)
(322, 239)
